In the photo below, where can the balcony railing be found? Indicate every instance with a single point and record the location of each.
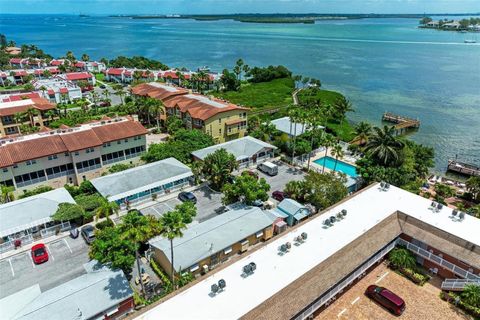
(458, 284)
(90, 168)
(30, 182)
(438, 260)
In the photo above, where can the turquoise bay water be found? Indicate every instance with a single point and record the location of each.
(343, 167)
(379, 64)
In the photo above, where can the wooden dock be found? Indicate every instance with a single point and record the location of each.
(402, 123)
(463, 168)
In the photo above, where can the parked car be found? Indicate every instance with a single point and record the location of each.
(102, 86)
(279, 195)
(39, 253)
(187, 196)
(386, 298)
(88, 233)
(269, 168)
(221, 209)
(104, 104)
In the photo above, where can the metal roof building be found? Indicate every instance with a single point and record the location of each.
(140, 182)
(245, 148)
(23, 214)
(95, 294)
(293, 129)
(296, 283)
(204, 239)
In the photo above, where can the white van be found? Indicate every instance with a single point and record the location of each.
(269, 168)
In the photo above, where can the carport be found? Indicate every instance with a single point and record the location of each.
(30, 218)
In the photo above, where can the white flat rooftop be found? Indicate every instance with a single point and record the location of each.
(275, 272)
(19, 103)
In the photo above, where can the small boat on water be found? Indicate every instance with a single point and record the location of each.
(470, 41)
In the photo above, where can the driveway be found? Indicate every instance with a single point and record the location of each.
(285, 174)
(66, 259)
(207, 202)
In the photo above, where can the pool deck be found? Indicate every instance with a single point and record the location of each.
(321, 154)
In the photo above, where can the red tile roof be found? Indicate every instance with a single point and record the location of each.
(170, 74)
(20, 73)
(78, 76)
(46, 145)
(115, 71)
(56, 62)
(51, 92)
(120, 130)
(21, 96)
(80, 64)
(63, 90)
(157, 92)
(37, 103)
(16, 60)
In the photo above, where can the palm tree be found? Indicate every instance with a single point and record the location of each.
(119, 91)
(218, 166)
(6, 194)
(85, 57)
(337, 151)
(106, 210)
(31, 113)
(362, 132)
(173, 226)
(327, 141)
(473, 185)
(401, 258)
(139, 229)
(157, 108)
(342, 105)
(471, 295)
(384, 146)
(314, 120)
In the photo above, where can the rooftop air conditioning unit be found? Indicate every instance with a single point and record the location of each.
(304, 235)
(344, 212)
(461, 216)
(222, 284)
(215, 288)
(454, 212)
(332, 219)
(439, 207)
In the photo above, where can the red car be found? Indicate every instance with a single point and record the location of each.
(251, 173)
(279, 195)
(386, 298)
(39, 253)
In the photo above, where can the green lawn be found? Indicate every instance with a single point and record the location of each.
(276, 93)
(324, 95)
(11, 88)
(100, 76)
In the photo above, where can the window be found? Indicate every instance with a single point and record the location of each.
(11, 130)
(90, 150)
(88, 165)
(126, 140)
(30, 162)
(15, 166)
(30, 178)
(113, 157)
(59, 171)
(220, 131)
(220, 121)
(119, 142)
(52, 157)
(76, 153)
(66, 154)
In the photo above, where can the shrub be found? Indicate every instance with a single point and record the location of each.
(167, 284)
(451, 297)
(35, 191)
(89, 202)
(104, 224)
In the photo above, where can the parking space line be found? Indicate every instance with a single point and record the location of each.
(383, 276)
(11, 267)
(356, 300)
(169, 207)
(66, 242)
(50, 252)
(155, 209)
(342, 312)
(31, 259)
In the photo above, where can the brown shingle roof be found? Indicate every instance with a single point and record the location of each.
(146, 89)
(120, 130)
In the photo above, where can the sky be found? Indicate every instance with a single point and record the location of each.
(236, 6)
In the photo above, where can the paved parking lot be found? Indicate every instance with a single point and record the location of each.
(421, 302)
(66, 259)
(207, 202)
(285, 174)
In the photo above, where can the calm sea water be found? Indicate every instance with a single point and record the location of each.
(380, 64)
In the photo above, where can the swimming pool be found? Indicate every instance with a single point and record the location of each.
(346, 168)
